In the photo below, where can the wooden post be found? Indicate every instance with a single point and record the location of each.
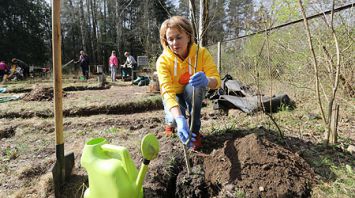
(57, 72)
(219, 58)
(59, 175)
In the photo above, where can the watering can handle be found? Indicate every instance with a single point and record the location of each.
(113, 148)
(123, 155)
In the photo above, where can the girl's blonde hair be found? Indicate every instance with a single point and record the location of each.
(179, 22)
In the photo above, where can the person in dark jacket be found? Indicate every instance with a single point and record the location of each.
(84, 64)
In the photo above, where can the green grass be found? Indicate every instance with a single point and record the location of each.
(240, 194)
(111, 130)
(342, 184)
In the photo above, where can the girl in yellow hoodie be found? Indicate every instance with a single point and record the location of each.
(179, 74)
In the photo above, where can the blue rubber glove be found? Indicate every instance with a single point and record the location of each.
(183, 130)
(199, 80)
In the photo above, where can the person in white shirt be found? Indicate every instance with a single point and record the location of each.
(128, 65)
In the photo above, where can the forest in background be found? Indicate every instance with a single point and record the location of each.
(99, 26)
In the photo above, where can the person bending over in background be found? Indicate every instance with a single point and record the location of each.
(113, 62)
(178, 76)
(128, 65)
(84, 64)
(22, 69)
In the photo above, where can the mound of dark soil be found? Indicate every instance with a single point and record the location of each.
(256, 167)
(39, 93)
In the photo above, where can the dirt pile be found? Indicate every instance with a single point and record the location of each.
(255, 167)
(39, 93)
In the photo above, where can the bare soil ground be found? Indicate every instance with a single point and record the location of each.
(242, 155)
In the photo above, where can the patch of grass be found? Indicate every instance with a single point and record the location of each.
(320, 128)
(10, 153)
(3, 167)
(335, 170)
(240, 194)
(111, 130)
(229, 126)
(343, 184)
(23, 148)
(285, 108)
(170, 165)
(82, 133)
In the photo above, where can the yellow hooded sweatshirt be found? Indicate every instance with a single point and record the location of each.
(170, 68)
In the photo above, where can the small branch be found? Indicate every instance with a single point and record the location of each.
(129, 3)
(275, 123)
(329, 59)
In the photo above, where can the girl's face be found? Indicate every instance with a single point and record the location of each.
(178, 42)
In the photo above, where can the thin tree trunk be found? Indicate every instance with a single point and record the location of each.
(203, 22)
(146, 27)
(72, 16)
(104, 32)
(334, 125)
(118, 25)
(82, 25)
(315, 63)
(192, 10)
(88, 27)
(94, 30)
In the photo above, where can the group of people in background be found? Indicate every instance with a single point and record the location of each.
(17, 70)
(125, 69)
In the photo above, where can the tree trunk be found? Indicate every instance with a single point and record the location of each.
(118, 25)
(203, 22)
(192, 10)
(146, 27)
(72, 16)
(82, 25)
(94, 30)
(334, 125)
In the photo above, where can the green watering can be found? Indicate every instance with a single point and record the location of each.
(111, 170)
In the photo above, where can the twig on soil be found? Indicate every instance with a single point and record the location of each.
(200, 154)
(277, 126)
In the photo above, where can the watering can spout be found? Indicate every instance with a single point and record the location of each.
(150, 149)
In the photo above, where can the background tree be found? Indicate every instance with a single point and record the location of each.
(217, 23)
(24, 31)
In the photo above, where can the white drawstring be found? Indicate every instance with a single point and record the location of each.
(189, 65)
(190, 71)
(175, 67)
